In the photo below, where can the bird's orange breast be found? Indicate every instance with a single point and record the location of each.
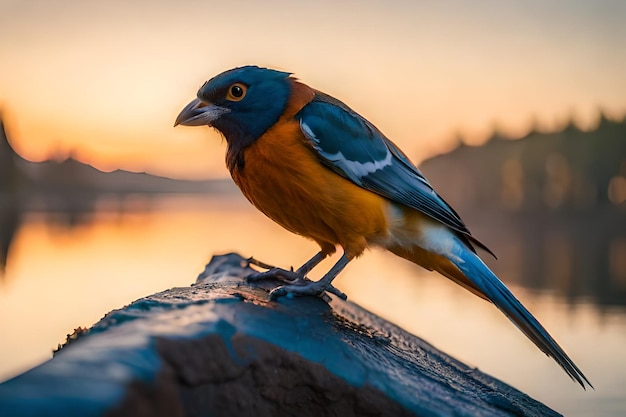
(284, 179)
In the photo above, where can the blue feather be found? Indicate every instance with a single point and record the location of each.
(474, 268)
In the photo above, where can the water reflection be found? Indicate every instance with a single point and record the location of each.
(66, 270)
(577, 257)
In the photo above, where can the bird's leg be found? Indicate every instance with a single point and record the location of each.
(311, 263)
(315, 287)
(297, 277)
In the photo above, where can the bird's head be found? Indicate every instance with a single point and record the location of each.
(242, 103)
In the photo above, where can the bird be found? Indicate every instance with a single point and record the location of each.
(320, 170)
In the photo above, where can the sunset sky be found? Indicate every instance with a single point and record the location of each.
(104, 80)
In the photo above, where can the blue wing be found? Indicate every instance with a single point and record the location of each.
(354, 148)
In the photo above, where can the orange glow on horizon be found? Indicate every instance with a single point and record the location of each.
(79, 79)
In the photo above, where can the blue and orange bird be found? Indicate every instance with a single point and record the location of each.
(320, 170)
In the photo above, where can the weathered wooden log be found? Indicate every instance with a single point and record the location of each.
(222, 348)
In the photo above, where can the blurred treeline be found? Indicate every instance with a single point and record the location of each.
(552, 205)
(566, 170)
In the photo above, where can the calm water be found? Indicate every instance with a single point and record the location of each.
(67, 270)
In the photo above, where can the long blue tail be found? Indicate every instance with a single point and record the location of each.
(477, 272)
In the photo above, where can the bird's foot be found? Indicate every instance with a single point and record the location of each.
(289, 276)
(297, 282)
(309, 288)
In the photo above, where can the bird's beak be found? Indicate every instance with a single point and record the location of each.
(199, 113)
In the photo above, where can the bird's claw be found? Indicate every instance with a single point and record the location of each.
(309, 288)
(290, 277)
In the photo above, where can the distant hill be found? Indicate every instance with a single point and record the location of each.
(72, 177)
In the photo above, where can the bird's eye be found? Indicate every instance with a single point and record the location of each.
(236, 92)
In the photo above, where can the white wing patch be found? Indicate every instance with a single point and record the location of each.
(307, 131)
(360, 169)
(351, 168)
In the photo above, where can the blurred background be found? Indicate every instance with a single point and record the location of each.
(515, 111)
